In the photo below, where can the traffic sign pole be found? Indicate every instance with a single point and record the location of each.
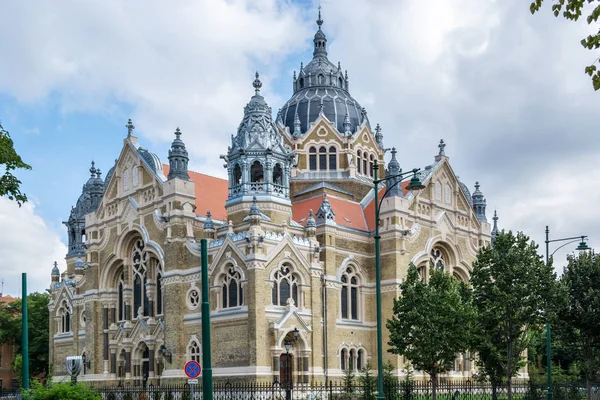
(207, 382)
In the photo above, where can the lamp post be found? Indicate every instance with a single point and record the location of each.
(288, 344)
(414, 184)
(582, 247)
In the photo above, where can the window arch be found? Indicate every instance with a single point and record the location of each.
(359, 160)
(343, 359)
(312, 159)
(437, 258)
(256, 172)
(340, 82)
(134, 176)
(285, 286)
(360, 359)
(301, 83)
(121, 299)
(194, 351)
(237, 175)
(278, 174)
(322, 158)
(365, 171)
(232, 294)
(352, 359)
(350, 294)
(64, 312)
(126, 179)
(159, 294)
(141, 302)
(332, 158)
(321, 79)
(371, 164)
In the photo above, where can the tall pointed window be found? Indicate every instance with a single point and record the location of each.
(237, 175)
(232, 294)
(141, 305)
(322, 158)
(343, 358)
(350, 294)
(194, 351)
(365, 161)
(64, 312)
(437, 258)
(278, 174)
(159, 295)
(359, 160)
(285, 286)
(312, 159)
(121, 299)
(332, 159)
(371, 164)
(256, 172)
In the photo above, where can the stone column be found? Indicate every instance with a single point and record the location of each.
(276, 367)
(305, 368)
(268, 176)
(150, 362)
(113, 362)
(128, 364)
(105, 334)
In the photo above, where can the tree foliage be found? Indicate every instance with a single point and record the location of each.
(513, 289)
(573, 10)
(578, 322)
(432, 322)
(62, 391)
(10, 186)
(11, 329)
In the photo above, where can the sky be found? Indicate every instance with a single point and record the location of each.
(504, 89)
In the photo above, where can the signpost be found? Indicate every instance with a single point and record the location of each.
(192, 370)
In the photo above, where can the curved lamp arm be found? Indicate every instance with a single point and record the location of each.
(561, 246)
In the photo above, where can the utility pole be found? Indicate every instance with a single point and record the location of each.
(25, 336)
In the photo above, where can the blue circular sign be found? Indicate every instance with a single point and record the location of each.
(192, 369)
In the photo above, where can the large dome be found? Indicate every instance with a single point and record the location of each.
(321, 86)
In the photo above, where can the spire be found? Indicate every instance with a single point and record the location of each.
(347, 125)
(208, 222)
(310, 221)
(178, 158)
(442, 145)
(297, 132)
(378, 136)
(320, 39)
(257, 84)
(325, 213)
(479, 203)
(254, 209)
(393, 169)
(495, 228)
(130, 128)
(93, 169)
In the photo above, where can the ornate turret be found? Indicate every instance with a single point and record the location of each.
(311, 224)
(258, 162)
(325, 214)
(88, 201)
(393, 169)
(378, 136)
(55, 273)
(178, 158)
(495, 227)
(479, 204)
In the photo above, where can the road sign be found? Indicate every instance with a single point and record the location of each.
(192, 369)
(192, 381)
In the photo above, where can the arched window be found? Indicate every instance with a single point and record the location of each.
(350, 294)
(159, 294)
(256, 172)
(135, 176)
(340, 82)
(121, 301)
(141, 305)
(365, 170)
(332, 159)
(194, 351)
(137, 295)
(360, 359)
(285, 285)
(278, 174)
(321, 80)
(232, 294)
(343, 358)
(301, 83)
(358, 160)
(237, 175)
(322, 158)
(437, 258)
(126, 179)
(312, 159)
(352, 359)
(65, 318)
(371, 164)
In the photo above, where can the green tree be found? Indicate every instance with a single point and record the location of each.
(11, 328)
(62, 391)
(512, 289)
(432, 322)
(572, 10)
(10, 186)
(579, 325)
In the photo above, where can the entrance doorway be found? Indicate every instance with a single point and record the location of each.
(286, 366)
(145, 366)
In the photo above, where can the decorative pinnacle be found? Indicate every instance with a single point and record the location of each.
(477, 185)
(257, 84)
(130, 128)
(93, 169)
(177, 134)
(495, 217)
(441, 146)
(208, 215)
(55, 264)
(98, 173)
(319, 20)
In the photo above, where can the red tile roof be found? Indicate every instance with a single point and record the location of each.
(347, 213)
(211, 194)
(370, 208)
(8, 299)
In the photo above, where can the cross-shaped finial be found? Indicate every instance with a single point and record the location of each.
(311, 213)
(257, 84)
(477, 185)
(319, 20)
(441, 146)
(208, 214)
(55, 264)
(177, 133)
(130, 128)
(495, 216)
(93, 169)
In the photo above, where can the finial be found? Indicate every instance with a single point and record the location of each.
(130, 128)
(93, 169)
(177, 134)
(297, 125)
(495, 217)
(346, 75)
(321, 107)
(477, 185)
(257, 84)
(347, 125)
(301, 65)
(294, 76)
(98, 173)
(441, 146)
(319, 20)
(56, 264)
(339, 66)
(254, 210)
(208, 222)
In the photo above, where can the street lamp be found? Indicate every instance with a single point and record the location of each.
(414, 184)
(581, 247)
(288, 344)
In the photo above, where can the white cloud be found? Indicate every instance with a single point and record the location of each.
(28, 245)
